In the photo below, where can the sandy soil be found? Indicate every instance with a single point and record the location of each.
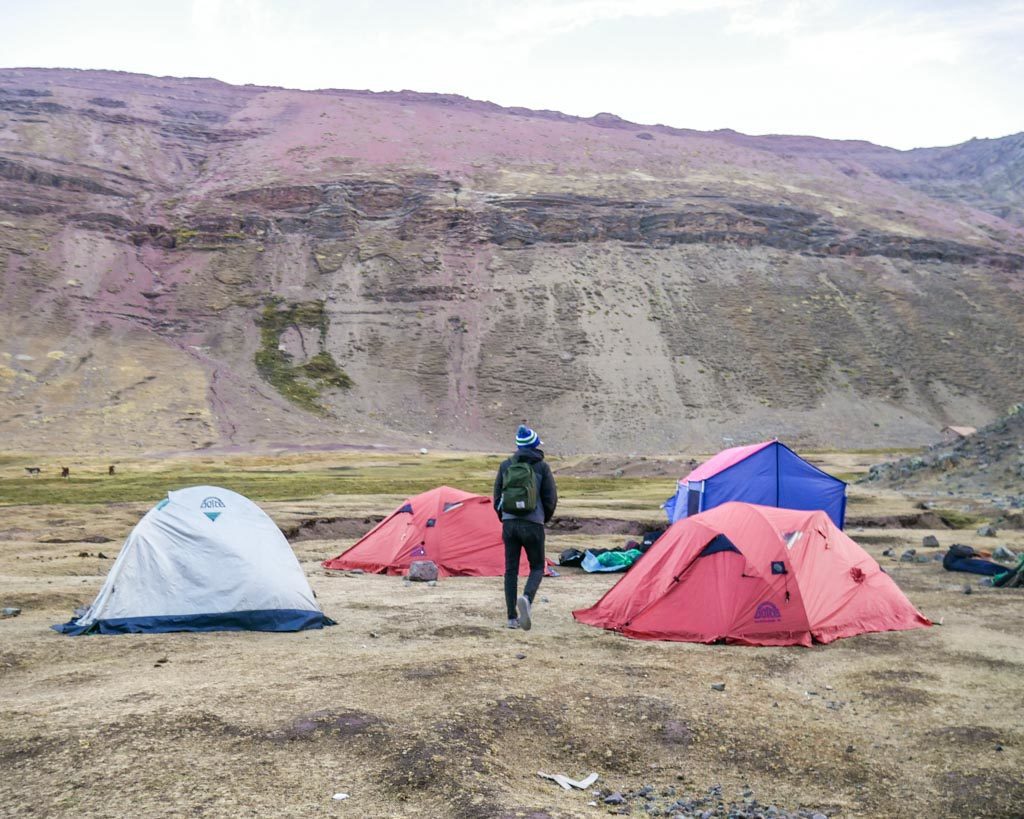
(419, 703)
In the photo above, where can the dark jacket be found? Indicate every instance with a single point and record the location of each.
(547, 494)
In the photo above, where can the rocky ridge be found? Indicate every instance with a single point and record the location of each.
(988, 463)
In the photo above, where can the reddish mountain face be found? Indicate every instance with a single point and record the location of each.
(187, 264)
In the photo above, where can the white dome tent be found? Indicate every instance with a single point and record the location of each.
(203, 559)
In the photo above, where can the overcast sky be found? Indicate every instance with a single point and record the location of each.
(904, 73)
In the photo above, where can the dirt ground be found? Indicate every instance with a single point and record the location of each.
(419, 703)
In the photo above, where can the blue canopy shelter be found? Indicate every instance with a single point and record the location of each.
(769, 473)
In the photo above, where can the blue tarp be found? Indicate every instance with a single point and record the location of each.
(973, 565)
(772, 476)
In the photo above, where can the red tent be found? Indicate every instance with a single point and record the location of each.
(457, 530)
(754, 575)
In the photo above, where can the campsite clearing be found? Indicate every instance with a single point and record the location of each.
(416, 704)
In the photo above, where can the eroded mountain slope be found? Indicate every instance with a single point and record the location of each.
(188, 263)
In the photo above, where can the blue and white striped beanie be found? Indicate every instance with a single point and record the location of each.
(526, 438)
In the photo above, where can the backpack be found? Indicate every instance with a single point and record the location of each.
(518, 488)
(957, 551)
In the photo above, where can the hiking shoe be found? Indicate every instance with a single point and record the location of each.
(523, 607)
(513, 622)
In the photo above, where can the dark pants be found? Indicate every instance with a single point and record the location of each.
(519, 535)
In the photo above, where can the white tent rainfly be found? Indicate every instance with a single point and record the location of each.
(203, 559)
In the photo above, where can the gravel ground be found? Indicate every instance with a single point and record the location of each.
(419, 703)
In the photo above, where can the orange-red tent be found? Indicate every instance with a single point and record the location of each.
(457, 530)
(754, 575)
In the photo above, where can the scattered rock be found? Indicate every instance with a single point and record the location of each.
(1002, 553)
(908, 555)
(988, 530)
(520, 656)
(889, 553)
(10, 611)
(102, 556)
(968, 589)
(718, 686)
(930, 542)
(423, 570)
(83, 554)
(614, 799)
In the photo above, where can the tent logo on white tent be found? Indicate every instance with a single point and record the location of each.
(212, 503)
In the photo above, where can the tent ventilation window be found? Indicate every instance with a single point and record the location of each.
(694, 496)
(791, 538)
(452, 505)
(719, 543)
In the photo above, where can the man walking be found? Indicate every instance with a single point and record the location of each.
(524, 498)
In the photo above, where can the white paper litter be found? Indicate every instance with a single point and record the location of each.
(583, 784)
(568, 783)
